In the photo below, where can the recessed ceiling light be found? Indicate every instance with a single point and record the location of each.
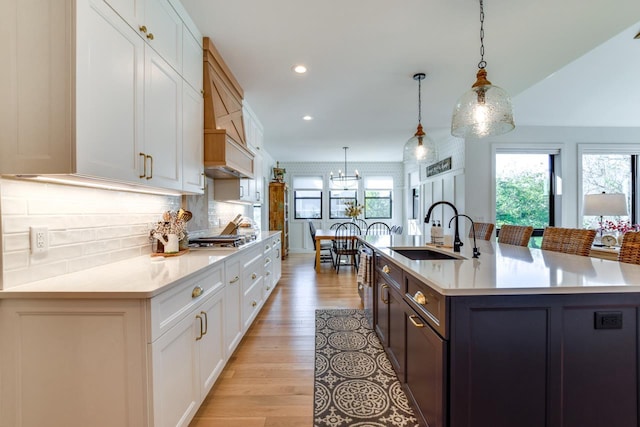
(300, 69)
(307, 118)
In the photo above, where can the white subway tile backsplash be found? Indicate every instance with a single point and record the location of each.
(87, 227)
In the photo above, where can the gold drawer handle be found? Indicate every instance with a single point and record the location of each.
(234, 280)
(196, 292)
(201, 325)
(413, 318)
(382, 288)
(253, 276)
(386, 269)
(150, 36)
(266, 247)
(143, 28)
(253, 303)
(267, 261)
(420, 298)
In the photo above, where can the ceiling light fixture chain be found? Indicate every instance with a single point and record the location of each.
(482, 63)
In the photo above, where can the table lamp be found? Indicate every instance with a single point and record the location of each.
(604, 204)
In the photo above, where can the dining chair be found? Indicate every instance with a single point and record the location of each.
(361, 223)
(326, 255)
(630, 248)
(518, 235)
(344, 244)
(482, 230)
(398, 230)
(568, 240)
(334, 225)
(377, 228)
(393, 229)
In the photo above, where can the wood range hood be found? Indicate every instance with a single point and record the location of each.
(226, 154)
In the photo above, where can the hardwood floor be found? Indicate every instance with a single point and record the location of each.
(268, 382)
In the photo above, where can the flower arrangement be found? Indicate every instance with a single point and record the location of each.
(353, 209)
(621, 226)
(171, 224)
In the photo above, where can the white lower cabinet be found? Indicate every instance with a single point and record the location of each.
(233, 325)
(188, 357)
(129, 362)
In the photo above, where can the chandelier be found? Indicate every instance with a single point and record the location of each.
(344, 176)
(420, 148)
(486, 109)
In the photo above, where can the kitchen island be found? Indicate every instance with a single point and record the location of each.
(516, 337)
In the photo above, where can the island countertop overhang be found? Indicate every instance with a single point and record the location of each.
(505, 269)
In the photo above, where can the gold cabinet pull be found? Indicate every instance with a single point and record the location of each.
(151, 168)
(268, 288)
(254, 303)
(417, 324)
(268, 273)
(196, 292)
(201, 324)
(206, 323)
(234, 280)
(143, 28)
(253, 276)
(420, 298)
(266, 248)
(144, 165)
(386, 269)
(382, 288)
(150, 36)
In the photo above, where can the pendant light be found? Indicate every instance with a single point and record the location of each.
(486, 109)
(344, 176)
(420, 148)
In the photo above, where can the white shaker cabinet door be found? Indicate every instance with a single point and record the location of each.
(131, 11)
(211, 347)
(109, 109)
(164, 31)
(176, 391)
(192, 140)
(162, 122)
(233, 304)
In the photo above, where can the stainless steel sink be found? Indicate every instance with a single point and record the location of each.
(424, 254)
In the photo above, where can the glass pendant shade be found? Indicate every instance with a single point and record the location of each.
(420, 149)
(483, 111)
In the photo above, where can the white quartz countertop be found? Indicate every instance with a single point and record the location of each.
(139, 277)
(505, 269)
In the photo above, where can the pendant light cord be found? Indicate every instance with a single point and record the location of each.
(482, 64)
(419, 101)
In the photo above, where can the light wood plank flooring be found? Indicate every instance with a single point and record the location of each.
(268, 382)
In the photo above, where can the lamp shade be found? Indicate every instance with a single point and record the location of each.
(483, 111)
(420, 149)
(605, 204)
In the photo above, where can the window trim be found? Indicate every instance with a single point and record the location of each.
(295, 200)
(390, 198)
(554, 151)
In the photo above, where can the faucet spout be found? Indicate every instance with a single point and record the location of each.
(457, 243)
(476, 252)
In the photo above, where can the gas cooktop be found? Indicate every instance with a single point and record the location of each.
(221, 240)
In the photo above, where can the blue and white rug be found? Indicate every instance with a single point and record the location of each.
(355, 384)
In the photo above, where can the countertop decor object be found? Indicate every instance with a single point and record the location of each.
(486, 109)
(420, 148)
(604, 204)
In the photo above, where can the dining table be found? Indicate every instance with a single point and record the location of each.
(324, 234)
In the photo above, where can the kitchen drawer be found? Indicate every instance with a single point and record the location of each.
(428, 303)
(172, 305)
(391, 272)
(251, 303)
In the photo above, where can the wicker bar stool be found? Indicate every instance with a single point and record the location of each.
(482, 230)
(568, 240)
(515, 234)
(630, 248)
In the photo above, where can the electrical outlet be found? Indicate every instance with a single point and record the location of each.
(39, 237)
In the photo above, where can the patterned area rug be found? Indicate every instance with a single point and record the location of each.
(355, 384)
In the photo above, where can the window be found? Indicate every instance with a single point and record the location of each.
(525, 191)
(611, 173)
(338, 202)
(307, 197)
(377, 197)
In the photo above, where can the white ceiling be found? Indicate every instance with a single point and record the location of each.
(564, 62)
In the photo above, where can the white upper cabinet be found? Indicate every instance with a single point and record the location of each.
(104, 98)
(192, 140)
